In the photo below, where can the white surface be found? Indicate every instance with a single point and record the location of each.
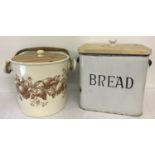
(9, 107)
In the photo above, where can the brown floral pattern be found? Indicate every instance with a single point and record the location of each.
(37, 92)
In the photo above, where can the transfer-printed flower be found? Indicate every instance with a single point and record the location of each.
(38, 91)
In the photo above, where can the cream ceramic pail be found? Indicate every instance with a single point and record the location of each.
(41, 87)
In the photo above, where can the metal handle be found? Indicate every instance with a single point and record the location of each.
(50, 49)
(7, 67)
(78, 60)
(150, 62)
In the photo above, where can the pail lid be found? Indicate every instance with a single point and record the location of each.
(115, 49)
(40, 55)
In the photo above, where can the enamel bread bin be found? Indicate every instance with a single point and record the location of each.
(41, 79)
(112, 77)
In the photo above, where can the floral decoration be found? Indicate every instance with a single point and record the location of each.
(38, 91)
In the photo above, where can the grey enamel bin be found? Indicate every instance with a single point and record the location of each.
(112, 77)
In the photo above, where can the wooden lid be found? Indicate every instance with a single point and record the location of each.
(116, 49)
(39, 57)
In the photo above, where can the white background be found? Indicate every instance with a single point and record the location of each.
(85, 18)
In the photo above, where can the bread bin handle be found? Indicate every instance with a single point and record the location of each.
(150, 62)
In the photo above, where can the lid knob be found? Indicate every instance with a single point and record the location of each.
(40, 53)
(112, 42)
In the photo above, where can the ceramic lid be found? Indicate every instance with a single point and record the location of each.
(116, 49)
(40, 56)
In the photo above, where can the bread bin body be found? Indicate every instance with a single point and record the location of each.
(111, 81)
